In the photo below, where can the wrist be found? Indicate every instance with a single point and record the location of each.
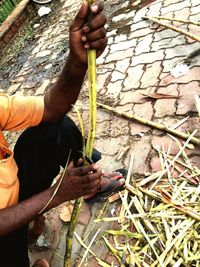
(75, 61)
(54, 195)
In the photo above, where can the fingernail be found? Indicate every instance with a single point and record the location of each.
(86, 46)
(103, 172)
(84, 38)
(95, 166)
(122, 181)
(94, 8)
(86, 29)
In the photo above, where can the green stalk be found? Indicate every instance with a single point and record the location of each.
(70, 232)
(93, 102)
(88, 149)
(91, 55)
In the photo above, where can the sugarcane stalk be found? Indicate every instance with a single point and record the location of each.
(178, 20)
(70, 232)
(91, 55)
(186, 33)
(93, 103)
(150, 123)
(88, 149)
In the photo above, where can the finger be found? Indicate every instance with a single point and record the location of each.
(99, 52)
(97, 22)
(93, 36)
(80, 162)
(79, 19)
(81, 171)
(71, 165)
(88, 189)
(99, 44)
(91, 177)
(96, 7)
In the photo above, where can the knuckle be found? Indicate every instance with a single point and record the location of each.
(68, 173)
(81, 170)
(102, 32)
(86, 179)
(102, 42)
(93, 190)
(90, 178)
(104, 18)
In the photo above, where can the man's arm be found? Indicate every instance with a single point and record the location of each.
(77, 182)
(58, 100)
(83, 35)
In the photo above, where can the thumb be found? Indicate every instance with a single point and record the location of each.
(79, 20)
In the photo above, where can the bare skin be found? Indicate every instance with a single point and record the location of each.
(58, 101)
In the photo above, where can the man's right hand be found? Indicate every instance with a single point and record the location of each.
(86, 34)
(78, 181)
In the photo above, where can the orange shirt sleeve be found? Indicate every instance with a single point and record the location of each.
(19, 112)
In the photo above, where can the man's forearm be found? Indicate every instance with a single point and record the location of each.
(16, 216)
(60, 98)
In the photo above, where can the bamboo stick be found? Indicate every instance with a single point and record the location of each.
(186, 33)
(150, 123)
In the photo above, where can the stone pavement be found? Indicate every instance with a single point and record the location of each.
(137, 61)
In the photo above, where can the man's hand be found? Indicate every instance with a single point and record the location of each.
(88, 34)
(79, 181)
(83, 35)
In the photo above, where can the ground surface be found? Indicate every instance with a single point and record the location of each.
(137, 61)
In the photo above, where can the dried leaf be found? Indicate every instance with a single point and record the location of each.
(66, 212)
(160, 96)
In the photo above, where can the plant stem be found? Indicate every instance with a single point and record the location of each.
(88, 149)
(92, 100)
(178, 20)
(91, 55)
(70, 233)
(186, 33)
(150, 123)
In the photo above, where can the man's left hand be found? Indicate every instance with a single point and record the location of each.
(88, 34)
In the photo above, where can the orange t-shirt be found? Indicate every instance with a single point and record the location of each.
(16, 113)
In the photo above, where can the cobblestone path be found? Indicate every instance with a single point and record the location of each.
(136, 62)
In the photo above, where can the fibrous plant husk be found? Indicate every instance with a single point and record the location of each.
(159, 221)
